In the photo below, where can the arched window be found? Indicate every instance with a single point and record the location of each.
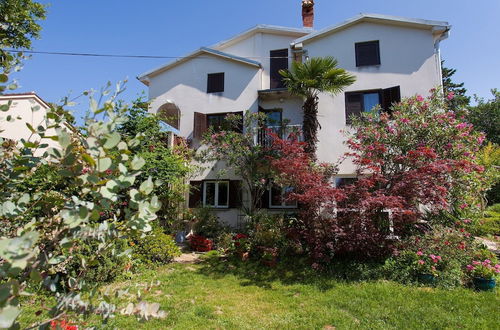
(170, 114)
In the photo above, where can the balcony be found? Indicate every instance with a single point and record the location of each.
(284, 132)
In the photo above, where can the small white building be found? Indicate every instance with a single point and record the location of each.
(391, 57)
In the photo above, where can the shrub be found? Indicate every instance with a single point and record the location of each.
(207, 224)
(154, 248)
(443, 252)
(489, 224)
(103, 267)
(483, 269)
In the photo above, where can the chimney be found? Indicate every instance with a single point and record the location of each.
(308, 13)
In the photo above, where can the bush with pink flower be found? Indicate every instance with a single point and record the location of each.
(443, 252)
(485, 269)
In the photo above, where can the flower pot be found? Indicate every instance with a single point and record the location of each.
(180, 237)
(426, 278)
(483, 284)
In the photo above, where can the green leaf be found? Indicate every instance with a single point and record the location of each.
(103, 164)
(30, 128)
(137, 163)
(64, 139)
(8, 316)
(112, 140)
(4, 78)
(147, 186)
(56, 260)
(88, 159)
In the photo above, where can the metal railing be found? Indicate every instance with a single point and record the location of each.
(284, 132)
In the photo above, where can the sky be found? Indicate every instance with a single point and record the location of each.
(176, 28)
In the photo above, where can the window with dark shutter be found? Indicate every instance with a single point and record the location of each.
(195, 193)
(279, 61)
(353, 105)
(389, 97)
(215, 82)
(235, 194)
(200, 125)
(367, 53)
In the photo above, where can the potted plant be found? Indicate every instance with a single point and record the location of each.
(427, 267)
(269, 256)
(241, 246)
(483, 274)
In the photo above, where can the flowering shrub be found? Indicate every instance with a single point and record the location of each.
(418, 155)
(443, 252)
(428, 264)
(483, 269)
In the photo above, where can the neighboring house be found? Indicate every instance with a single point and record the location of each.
(391, 57)
(24, 108)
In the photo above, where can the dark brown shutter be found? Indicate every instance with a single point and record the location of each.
(353, 105)
(200, 125)
(215, 82)
(195, 193)
(390, 96)
(235, 194)
(367, 53)
(279, 61)
(239, 128)
(264, 200)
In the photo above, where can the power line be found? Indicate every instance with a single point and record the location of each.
(125, 56)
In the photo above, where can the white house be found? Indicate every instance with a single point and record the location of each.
(391, 57)
(24, 108)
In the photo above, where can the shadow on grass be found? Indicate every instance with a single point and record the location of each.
(288, 272)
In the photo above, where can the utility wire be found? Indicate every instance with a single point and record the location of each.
(124, 56)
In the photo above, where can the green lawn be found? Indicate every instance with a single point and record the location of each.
(222, 295)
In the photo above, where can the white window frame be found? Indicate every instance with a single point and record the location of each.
(283, 202)
(216, 197)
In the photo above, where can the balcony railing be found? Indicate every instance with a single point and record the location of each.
(284, 132)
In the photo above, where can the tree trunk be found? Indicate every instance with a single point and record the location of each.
(311, 125)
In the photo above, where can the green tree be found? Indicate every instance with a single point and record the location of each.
(459, 100)
(485, 116)
(167, 166)
(19, 25)
(307, 80)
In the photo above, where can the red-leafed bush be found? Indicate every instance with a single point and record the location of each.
(419, 160)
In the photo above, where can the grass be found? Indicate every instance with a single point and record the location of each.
(218, 294)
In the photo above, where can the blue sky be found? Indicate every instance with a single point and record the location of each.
(175, 28)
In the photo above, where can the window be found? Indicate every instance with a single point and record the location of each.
(279, 61)
(216, 194)
(367, 53)
(219, 123)
(365, 101)
(170, 114)
(340, 182)
(215, 82)
(277, 198)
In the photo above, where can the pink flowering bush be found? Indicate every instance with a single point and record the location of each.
(483, 269)
(443, 252)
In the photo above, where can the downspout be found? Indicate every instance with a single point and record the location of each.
(437, 51)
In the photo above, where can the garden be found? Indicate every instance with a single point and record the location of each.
(90, 228)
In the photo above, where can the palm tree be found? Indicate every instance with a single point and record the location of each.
(316, 75)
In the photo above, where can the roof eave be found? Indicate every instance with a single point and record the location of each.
(144, 78)
(373, 18)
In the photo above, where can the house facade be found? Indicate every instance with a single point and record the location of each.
(391, 57)
(24, 108)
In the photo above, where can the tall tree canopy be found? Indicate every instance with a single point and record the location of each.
(457, 90)
(18, 26)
